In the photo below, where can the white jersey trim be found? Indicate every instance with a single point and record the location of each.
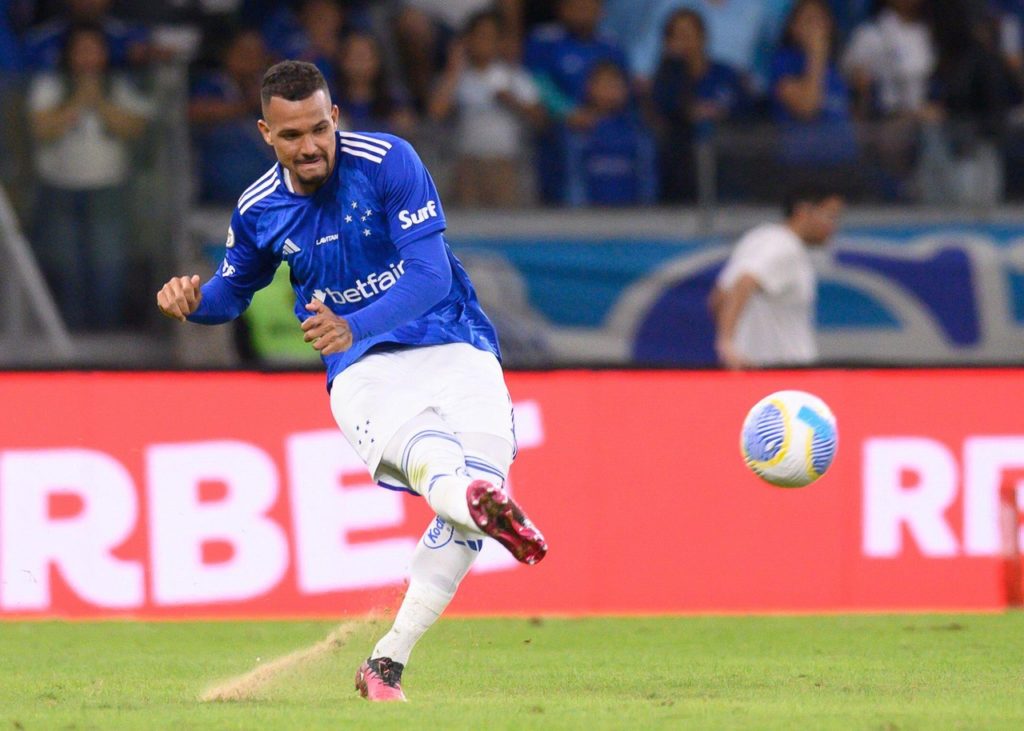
(261, 196)
(350, 136)
(259, 182)
(359, 153)
(248, 197)
(363, 146)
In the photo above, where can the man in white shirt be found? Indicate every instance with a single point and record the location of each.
(763, 302)
(895, 56)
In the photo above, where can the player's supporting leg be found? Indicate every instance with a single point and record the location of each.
(441, 560)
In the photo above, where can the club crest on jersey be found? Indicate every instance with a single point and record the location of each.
(411, 219)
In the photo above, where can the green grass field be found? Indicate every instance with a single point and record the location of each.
(817, 672)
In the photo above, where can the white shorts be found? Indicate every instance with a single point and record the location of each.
(375, 396)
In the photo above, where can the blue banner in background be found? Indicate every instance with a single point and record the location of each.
(888, 295)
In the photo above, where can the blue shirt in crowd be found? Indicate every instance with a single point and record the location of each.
(738, 32)
(612, 164)
(229, 154)
(558, 57)
(44, 44)
(673, 90)
(828, 138)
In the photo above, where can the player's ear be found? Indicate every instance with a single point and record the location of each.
(334, 115)
(265, 131)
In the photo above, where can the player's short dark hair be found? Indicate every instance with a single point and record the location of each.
(806, 193)
(293, 81)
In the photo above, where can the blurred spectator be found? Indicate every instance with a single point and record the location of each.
(128, 45)
(425, 28)
(811, 101)
(610, 151)
(889, 63)
(849, 14)
(260, 13)
(890, 59)
(561, 57)
(1010, 14)
(311, 33)
(367, 98)
(14, 15)
(690, 94)
(971, 95)
(493, 100)
(223, 109)
(83, 118)
(740, 32)
(537, 12)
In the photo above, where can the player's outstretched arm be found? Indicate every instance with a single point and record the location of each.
(727, 306)
(329, 333)
(179, 297)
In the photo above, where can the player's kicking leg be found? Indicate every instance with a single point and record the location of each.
(466, 489)
(433, 460)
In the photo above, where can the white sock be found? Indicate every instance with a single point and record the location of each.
(443, 557)
(441, 560)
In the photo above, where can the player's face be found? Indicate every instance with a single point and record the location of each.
(823, 219)
(302, 135)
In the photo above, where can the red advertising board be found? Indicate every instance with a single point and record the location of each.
(233, 494)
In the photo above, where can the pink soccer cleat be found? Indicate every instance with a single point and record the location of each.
(379, 679)
(497, 515)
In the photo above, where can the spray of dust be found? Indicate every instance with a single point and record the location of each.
(250, 685)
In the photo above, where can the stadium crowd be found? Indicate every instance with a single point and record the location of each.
(562, 103)
(572, 102)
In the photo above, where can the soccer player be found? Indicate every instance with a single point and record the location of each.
(763, 301)
(412, 361)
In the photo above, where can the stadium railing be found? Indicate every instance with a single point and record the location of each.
(28, 303)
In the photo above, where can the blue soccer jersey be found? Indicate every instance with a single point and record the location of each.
(368, 226)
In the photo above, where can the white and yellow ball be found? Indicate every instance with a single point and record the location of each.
(789, 438)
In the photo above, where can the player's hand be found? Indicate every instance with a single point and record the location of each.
(730, 357)
(180, 297)
(329, 333)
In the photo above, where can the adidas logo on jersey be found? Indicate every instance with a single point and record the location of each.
(410, 219)
(376, 282)
(290, 247)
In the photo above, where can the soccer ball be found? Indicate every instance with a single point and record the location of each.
(789, 438)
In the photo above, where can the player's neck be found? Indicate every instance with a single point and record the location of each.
(296, 186)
